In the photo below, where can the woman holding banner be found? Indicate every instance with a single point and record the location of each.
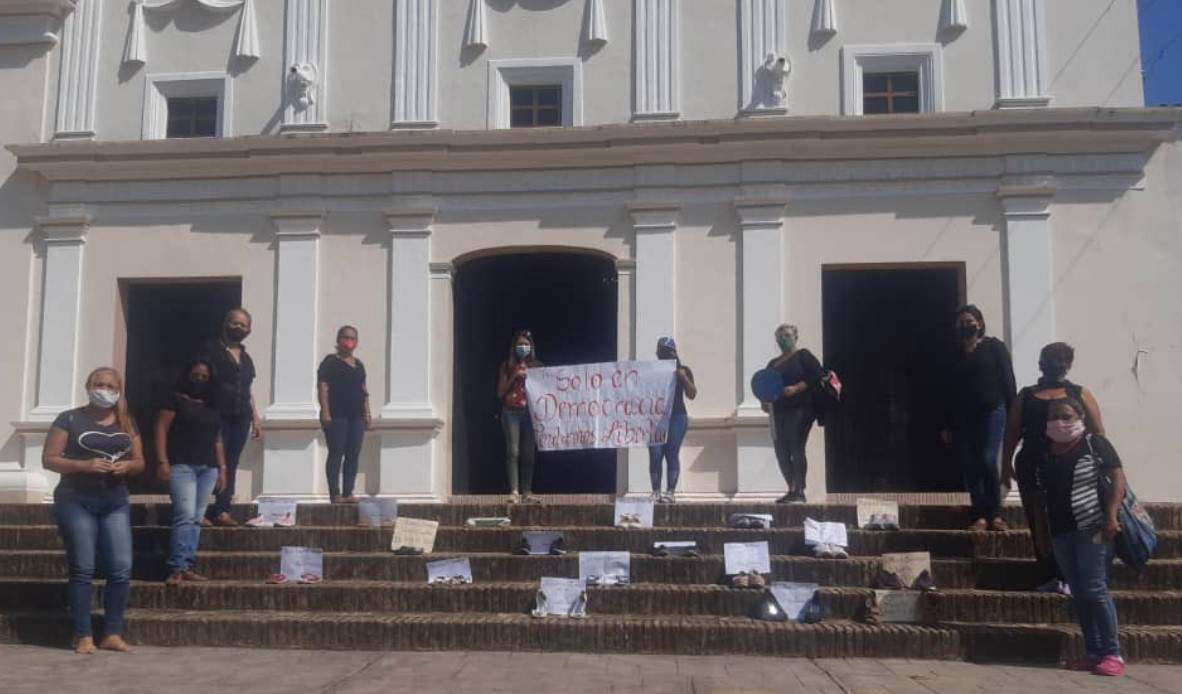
(792, 412)
(515, 419)
(678, 425)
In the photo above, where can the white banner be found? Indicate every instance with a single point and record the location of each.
(610, 405)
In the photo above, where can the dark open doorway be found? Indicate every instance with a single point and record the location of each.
(888, 335)
(568, 302)
(166, 322)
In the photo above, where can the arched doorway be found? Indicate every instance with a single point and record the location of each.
(568, 301)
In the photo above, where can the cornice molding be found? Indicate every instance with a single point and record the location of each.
(52, 8)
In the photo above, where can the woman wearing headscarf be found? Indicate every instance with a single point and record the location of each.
(1027, 429)
(792, 412)
(982, 390)
(515, 418)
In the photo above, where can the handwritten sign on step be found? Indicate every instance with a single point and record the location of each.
(907, 565)
(634, 513)
(457, 570)
(793, 598)
(747, 556)
(605, 568)
(559, 596)
(878, 513)
(607, 405)
(301, 565)
(376, 512)
(281, 512)
(899, 606)
(416, 533)
(825, 532)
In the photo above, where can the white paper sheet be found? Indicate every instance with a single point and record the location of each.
(301, 564)
(377, 512)
(747, 556)
(540, 541)
(414, 532)
(448, 569)
(609, 567)
(277, 511)
(822, 532)
(907, 565)
(641, 509)
(876, 507)
(561, 594)
(793, 598)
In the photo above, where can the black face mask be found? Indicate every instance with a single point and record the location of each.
(237, 334)
(197, 387)
(967, 332)
(1053, 372)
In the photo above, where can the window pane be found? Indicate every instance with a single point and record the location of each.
(549, 96)
(874, 105)
(207, 107)
(905, 82)
(178, 128)
(874, 84)
(549, 116)
(205, 127)
(906, 104)
(521, 118)
(521, 96)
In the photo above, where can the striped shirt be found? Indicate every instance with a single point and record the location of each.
(1072, 482)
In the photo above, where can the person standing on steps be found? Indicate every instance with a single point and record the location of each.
(344, 414)
(678, 425)
(1083, 524)
(1027, 427)
(792, 413)
(981, 392)
(192, 462)
(232, 376)
(95, 449)
(515, 418)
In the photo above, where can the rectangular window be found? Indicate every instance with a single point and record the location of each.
(535, 106)
(890, 92)
(195, 116)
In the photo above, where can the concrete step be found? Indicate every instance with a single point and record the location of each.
(988, 574)
(1166, 516)
(842, 604)
(597, 633)
(783, 541)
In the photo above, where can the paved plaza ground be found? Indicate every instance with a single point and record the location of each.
(27, 669)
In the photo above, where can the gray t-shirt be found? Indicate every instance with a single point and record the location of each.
(87, 439)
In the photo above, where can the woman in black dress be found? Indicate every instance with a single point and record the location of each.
(344, 414)
(792, 413)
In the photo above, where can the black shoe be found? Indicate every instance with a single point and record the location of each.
(887, 580)
(787, 498)
(522, 548)
(798, 498)
(924, 582)
(558, 547)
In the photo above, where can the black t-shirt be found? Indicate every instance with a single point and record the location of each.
(193, 436)
(982, 380)
(230, 381)
(1072, 484)
(679, 394)
(346, 386)
(1034, 422)
(86, 439)
(801, 366)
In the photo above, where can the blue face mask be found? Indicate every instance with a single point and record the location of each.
(522, 351)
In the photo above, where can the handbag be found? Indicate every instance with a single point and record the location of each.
(826, 395)
(1137, 539)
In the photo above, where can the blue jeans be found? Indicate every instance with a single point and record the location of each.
(95, 528)
(235, 432)
(190, 487)
(1085, 563)
(519, 443)
(978, 443)
(344, 437)
(670, 451)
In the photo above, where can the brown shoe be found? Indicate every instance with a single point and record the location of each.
(349, 499)
(193, 576)
(225, 521)
(980, 526)
(175, 579)
(997, 525)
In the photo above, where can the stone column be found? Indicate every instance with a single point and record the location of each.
(416, 29)
(656, 60)
(655, 280)
(1021, 45)
(1027, 273)
(305, 71)
(409, 422)
(79, 69)
(761, 224)
(625, 350)
(291, 453)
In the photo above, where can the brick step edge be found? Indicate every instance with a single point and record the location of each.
(598, 634)
(1161, 608)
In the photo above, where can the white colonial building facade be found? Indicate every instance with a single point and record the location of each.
(604, 172)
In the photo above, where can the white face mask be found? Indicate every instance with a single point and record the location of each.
(103, 399)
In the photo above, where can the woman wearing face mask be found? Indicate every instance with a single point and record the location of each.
(1082, 526)
(1027, 427)
(792, 413)
(678, 425)
(232, 374)
(95, 449)
(344, 413)
(982, 390)
(192, 462)
(515, 421)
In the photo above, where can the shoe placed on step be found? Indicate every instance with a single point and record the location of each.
(522, 548)
(558, 547)
(755, 580)
(823, 550)
(405, 551)
(740, 580)
(539, 610)
(997, 525)
(874, 523)
(258, 522)
(890, 521)
(1055, 586)
(887, 580)
(979, 526)
(578, 610)
(924, 582)
(838, 552)
(656, 497)
(1110, 666)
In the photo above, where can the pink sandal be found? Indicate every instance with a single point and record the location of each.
(1110, 666)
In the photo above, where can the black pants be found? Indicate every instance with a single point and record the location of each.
(1034, 503)
(235, 432)
(792, 429)
(344, 436)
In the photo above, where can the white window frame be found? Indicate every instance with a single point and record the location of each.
(926, 59)
(160, 88)
(566, 72)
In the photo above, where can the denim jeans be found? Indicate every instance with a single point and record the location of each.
(95, 528)
(978, 444)
(519, 444)
(235, 432)
(670, 451)
(1085, 563)
(344, 436)
(790, 438)
(190, 487)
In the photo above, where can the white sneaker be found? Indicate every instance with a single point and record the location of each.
(838, 552)
(669, 497)
(656, 497)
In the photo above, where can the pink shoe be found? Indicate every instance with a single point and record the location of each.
(1085, 663)
(1110, 666)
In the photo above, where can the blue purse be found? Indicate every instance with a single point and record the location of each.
(1137, 539)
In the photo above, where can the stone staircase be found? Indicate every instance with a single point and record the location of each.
(374, 600)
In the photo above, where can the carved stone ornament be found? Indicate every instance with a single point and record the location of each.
(302, 82)
(772, 75)
(246, 43)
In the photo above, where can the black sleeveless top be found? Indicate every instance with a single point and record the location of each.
(1033, 435)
